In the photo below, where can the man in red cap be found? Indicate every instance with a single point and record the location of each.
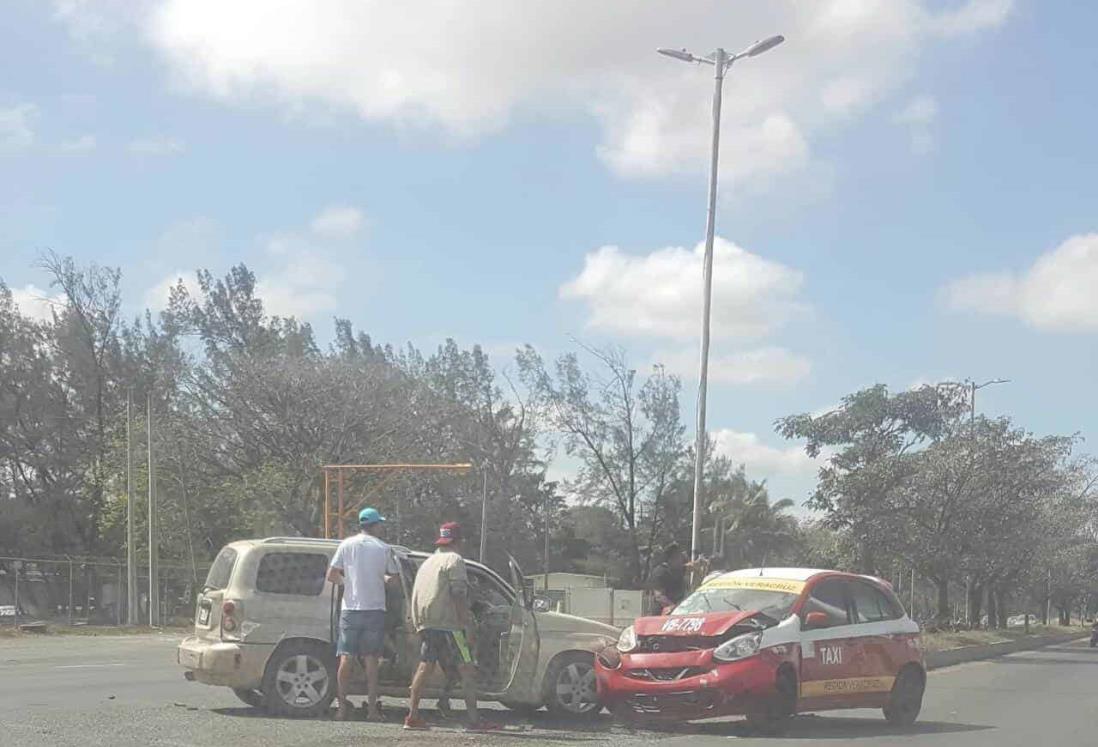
(440, 614)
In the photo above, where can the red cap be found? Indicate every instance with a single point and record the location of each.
(448, 533)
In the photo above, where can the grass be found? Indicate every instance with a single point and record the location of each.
(945, 641)
(9, 631)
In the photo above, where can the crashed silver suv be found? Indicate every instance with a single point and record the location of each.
(265, 626)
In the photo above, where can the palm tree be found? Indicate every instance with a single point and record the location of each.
(749, 528)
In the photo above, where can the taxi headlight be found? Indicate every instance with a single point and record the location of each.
(628, 640)
(739, 647)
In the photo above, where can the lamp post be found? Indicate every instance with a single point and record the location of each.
(721, 62)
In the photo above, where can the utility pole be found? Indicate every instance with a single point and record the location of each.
(721, 62)
(131, 555)
(484, 517)
(545, 582)
(154, 560)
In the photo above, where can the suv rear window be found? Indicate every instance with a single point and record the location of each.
(292, 573)
(221, 570)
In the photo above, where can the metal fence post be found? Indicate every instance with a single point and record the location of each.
(15, 565)
(70, 591)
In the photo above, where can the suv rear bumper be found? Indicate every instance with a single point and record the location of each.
(223, 663)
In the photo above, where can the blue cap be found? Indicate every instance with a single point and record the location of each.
(369, 516)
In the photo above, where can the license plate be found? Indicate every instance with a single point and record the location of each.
(204, 616)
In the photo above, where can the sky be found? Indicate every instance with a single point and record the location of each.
(906, 186)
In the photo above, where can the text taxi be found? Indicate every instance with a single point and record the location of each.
(767, 644)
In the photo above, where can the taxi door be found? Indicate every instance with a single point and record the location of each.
(832, 659)
(884, 646)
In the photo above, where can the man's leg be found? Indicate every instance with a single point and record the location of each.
(423, 671)
(372, 687)
(469, 686)
(373, 641)
(343, 681)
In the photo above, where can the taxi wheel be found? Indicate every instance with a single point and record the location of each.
(254, 698)
(906, 699)
(772, 718)
(570, 689)
(300, 680)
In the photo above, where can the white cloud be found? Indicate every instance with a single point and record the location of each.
(1057, 293)
(338, 222)
(659, 294)
(82, 144)
(35, 303)
(17, 127)
(435, 65)
(974, 15)
(919, 116)
(158, 145)
(921, 110)
(156, 298)
(770, 365)
(303, 286)
(762, 460)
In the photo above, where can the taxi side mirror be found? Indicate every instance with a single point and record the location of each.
(816, 620)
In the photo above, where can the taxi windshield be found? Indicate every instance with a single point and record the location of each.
(775, 604)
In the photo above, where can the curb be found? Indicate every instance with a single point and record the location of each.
(950, 657)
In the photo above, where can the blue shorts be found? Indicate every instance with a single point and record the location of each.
(361, 633)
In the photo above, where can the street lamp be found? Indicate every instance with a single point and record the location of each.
(721, 61)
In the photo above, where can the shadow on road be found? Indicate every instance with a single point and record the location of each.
(811, 726)
(515, 725)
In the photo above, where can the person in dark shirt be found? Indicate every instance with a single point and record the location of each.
(669, 579)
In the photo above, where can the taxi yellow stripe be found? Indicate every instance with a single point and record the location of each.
(788, 586)
(847, 686)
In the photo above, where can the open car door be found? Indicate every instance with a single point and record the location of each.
(519, 658)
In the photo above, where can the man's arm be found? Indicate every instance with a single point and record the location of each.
(335, 568)
(459, 593)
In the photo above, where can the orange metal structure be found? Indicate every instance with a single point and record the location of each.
(334, 473)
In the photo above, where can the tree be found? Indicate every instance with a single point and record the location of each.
(628, 438)
(870, 441)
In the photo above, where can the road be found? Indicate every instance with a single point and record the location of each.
(128, 691)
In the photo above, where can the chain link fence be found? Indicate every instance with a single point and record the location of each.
(92, 591)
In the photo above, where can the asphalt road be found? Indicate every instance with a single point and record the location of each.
(129, 691)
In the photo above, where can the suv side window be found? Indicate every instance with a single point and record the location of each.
(291, 573)
(483, 588)
(829, 597)
(870, 604)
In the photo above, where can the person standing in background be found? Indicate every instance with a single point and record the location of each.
(362, 564)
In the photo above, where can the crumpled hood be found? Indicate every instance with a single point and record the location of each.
(708, 625)
(558, 622)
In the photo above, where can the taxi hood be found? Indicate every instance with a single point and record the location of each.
(710, 624)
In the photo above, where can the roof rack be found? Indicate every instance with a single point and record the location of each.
(305, 540)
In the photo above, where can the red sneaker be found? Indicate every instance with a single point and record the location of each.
(415, 724)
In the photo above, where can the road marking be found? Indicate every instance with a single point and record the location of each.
(90, 666)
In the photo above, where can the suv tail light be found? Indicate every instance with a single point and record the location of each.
(231, 614)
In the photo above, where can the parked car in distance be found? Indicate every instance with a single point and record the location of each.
(769, 643)
(266, 619)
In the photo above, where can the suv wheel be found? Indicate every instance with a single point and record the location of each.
(300, 680)
(254, 698)
(570, 690)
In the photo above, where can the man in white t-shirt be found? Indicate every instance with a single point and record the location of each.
(362, 564)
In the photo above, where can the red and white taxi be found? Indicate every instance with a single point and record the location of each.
(769, 643)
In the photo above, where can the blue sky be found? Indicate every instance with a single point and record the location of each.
(907, 186)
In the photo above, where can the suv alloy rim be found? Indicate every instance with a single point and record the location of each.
(302, 681)
(576, 687)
